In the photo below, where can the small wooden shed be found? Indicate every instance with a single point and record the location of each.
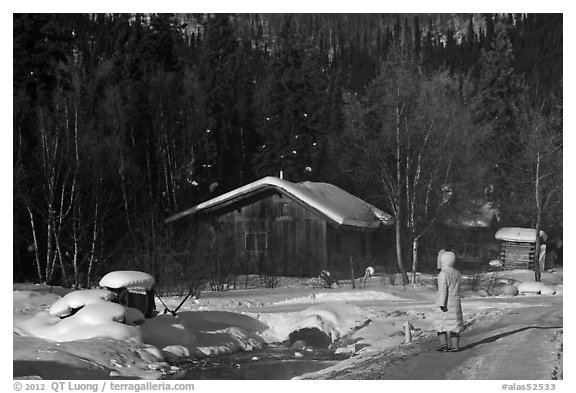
(296, 229)
(519, 246)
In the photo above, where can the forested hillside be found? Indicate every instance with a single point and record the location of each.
(122, 120)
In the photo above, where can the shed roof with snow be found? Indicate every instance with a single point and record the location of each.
(330, 202)
(520, 235)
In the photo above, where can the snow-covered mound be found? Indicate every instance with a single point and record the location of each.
(127, 279)
(334, 319)
(85, 314)
(78, 299)
(522, 275)
(536, 287)
(99, 319)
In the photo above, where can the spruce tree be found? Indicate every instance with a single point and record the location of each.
(222, 85)
(294, 119)
(499, 90)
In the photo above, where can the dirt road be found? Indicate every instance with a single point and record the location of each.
(521, 344)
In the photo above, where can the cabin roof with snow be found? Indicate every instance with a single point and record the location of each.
(331, 202)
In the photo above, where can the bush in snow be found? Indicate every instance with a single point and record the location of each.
(269, 280)
(506, 290)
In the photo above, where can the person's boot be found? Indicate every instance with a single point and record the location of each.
(454, 342)
(443, 337)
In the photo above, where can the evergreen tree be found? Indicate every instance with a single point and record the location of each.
(294, 124)
(499, 91)
(226, 91)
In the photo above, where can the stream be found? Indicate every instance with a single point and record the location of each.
(275, 362)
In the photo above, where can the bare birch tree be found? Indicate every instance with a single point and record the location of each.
(540, 171)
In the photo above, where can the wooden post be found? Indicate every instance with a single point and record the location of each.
(407, 332)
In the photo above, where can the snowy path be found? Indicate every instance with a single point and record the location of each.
(522, 344)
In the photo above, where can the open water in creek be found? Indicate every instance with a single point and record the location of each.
(271, 363)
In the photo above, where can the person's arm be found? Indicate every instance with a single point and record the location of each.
(442, 297)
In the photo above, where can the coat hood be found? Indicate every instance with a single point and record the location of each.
(447, 259)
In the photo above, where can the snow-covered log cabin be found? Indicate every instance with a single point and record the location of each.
(273, 226)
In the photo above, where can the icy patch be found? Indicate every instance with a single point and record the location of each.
(127, 279)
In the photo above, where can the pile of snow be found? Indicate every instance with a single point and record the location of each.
(334, 319)
(98, 318)
(550, 281)
(536, 287)
(90, 313)
(77, 299)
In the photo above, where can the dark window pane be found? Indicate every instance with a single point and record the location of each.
(256, 241)
(284, 209)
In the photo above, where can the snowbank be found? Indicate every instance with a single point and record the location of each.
(535, 287)
(78, 299)
(199, 333)
(334, 319)
(340, 297)
(98, 319)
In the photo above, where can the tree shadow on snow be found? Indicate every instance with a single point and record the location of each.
(215, 320)
(57, 370)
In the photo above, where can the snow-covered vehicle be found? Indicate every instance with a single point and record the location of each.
(133, 289)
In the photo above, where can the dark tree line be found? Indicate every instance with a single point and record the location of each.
(123, 119)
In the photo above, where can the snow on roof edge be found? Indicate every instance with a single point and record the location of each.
(306, 193)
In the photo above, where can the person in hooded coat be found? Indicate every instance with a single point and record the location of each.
(439, 259)
(448, 315)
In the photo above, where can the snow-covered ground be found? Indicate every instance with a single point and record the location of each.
(355, 321)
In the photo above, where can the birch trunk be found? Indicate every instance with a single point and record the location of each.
(399, 218)
(537, 273)
(41, 278)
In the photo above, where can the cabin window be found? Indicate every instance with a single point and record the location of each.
(283, 209)
(256, 242)
(337, 243)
